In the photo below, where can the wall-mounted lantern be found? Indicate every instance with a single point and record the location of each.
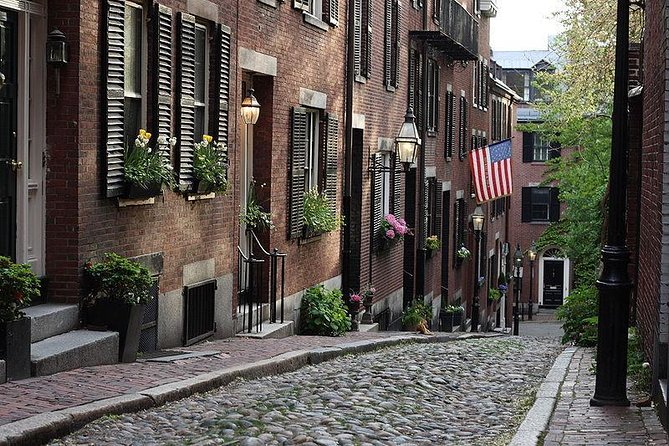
(56, 48)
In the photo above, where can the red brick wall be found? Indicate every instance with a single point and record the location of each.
(651, 175)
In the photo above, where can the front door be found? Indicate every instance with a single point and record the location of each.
(8, 117)
(553, 282)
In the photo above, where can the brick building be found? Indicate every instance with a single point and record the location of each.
(534, 205)
(332, 99)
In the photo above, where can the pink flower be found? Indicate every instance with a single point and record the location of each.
(356, 298)
(390, 234)
(390, 218)
(401, 221)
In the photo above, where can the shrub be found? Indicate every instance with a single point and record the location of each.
(318, 216)
(416, 313)
(18, 285)
(323, 312)
(118, 278)
(579, 316)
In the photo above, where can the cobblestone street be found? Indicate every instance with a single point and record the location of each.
(466, 392)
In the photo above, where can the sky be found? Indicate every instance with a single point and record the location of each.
(523, 24)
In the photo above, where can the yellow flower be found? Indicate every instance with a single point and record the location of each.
(147, 135)
(142, 133)
(207, 138)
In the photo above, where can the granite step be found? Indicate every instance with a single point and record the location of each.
(49, 320)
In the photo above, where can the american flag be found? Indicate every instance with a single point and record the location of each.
(491, 171)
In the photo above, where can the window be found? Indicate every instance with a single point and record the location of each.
(459, 215)
(432, 95)
(312, 161)
(313, 7)
(463, 127)
(450, 125)
(201, 70)
(519, 81)
(392, 44)
(538, 149)
(415, 85)
(385, 195)
(362, 38)
(133, 73)
(540, 204)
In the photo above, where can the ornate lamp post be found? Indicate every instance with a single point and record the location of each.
(518, 264)
(478, 218)
(407, 141)
(532, 254)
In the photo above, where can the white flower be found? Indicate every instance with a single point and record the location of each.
(173, 141)
(162, 140)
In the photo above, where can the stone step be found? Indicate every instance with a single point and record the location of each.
(273, 331)
(368, 327)
(74, 349)
(51, 319)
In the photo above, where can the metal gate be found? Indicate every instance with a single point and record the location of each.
(148, 338)
(199, 300)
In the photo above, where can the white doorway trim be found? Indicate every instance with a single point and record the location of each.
(565, 275)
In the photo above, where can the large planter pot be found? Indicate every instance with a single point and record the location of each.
(124, 318)
(137, 192)
(457, 319)
(446, 321)
(15, 348)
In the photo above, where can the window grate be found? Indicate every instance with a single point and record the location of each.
(199, 301)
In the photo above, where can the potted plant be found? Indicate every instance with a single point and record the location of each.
(119, 290)
(432, 243)
(367, 301)
(416, 316)
(393, 229)
(254, 216)
(354, 307)
(502, 284)
(494, 294)
(18, 285)
(323, 312)
(319, 217)
(210, 166)
(463, 253)
(146, 169)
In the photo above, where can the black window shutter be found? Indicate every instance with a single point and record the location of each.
(528, 147)
(426, 206)
(457, 209)
(437, 74)
(526, 213)
(223, 80)
(396, 201)
(366, 56)
(331, 160)
(332, 13)
(396, 43)
(186, 89)
(357, 36)
(163, 74)
(555, 204)
(450, 124)
(412, 80)
(377, 199)
(388, 45)
(114, 116)
(297, 165)
(436, 218)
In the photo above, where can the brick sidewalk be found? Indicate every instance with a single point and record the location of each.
(575, 422)
(25, 398)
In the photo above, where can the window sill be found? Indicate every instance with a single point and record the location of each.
(196, 196)
(125, 202)
(305, 240)
(314, 21)
(360, 79)
(390, 88)
(432, 133)
(540, 223)
(271, 3)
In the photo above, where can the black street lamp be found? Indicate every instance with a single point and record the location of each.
(478, 218)
(407, 141)
(517, 263)
(614, 284)
(532, 254)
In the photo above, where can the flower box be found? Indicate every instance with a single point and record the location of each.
(135, 191)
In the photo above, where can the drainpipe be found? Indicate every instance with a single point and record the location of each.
(348, 147)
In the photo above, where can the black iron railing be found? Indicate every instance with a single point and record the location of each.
(459, 25)
(253, 267)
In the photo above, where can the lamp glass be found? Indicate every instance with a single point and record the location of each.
(56, 48)
(407, 140)
(532, 252)
(250, 109)
(518, 257)
(407, 151)
(478, 217)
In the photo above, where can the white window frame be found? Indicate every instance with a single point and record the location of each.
(385, 192)
(203, 105)
(312, 165)
(142, 63)
(316, 8)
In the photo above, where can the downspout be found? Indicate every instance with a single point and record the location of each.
(420, 221)
(348, 147)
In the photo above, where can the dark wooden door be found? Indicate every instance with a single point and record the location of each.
(8, 163)
(553, 282)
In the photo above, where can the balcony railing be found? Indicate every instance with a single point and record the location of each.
(457, 24)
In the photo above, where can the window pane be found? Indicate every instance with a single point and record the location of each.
(200, 65)
(311, 171)
(133, 50)
(199, 122)
(132, 112)
(540, 204)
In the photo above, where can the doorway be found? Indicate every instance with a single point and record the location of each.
(553, 282)
(22, 134)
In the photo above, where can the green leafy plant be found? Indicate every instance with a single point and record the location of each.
(416, 313)
(210, 165)
(637, 368)
(18, 286)
(454, 309)
(494, 294)
(145, 166)
(318, 216)
(432, 243)
(255, 217)
(579, 317)
(118, 278)
(323, 312)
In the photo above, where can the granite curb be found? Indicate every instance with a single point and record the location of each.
(41, 428)
(537, 418)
